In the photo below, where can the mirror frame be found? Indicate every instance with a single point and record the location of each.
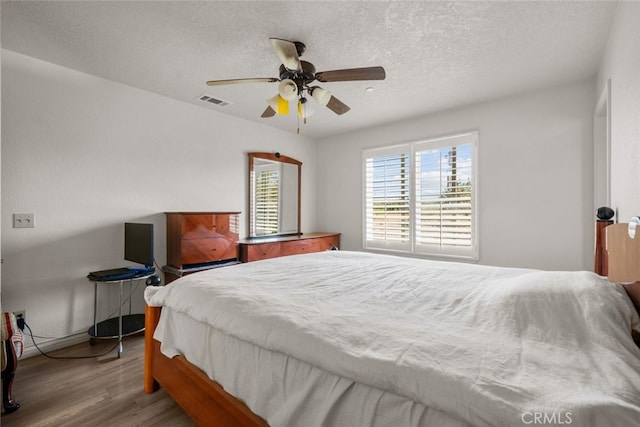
(274, 157)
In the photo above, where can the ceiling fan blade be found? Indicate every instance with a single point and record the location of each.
(238, 81)
(351, 74)
(337, 106)
(287, 52)
(269, 112)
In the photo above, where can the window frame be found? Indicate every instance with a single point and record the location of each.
(471, 253)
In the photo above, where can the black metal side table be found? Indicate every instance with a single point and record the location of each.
(120, 326)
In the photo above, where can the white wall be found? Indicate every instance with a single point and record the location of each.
(621, 64)
(535, 175)
(84, 155)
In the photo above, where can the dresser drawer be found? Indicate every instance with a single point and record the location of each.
(261, 251)
(326, 243)
(203, 226)
(201, 237)
(319, 244)
(254, 250)
(197, 251)
(300, 247)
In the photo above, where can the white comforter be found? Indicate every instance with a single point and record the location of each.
(491, 346)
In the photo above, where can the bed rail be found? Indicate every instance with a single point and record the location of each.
(206, 402)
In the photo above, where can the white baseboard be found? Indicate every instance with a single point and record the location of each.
(55, 344)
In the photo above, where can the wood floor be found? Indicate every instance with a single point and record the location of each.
(100, 392)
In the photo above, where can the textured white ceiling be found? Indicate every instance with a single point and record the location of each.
(437, 55)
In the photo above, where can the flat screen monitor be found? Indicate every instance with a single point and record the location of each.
(138, 243)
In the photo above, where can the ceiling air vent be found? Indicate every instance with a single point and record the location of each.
(211, 100)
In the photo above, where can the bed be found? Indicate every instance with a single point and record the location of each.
(320, 339)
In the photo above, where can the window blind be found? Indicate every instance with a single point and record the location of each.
(388, 199)
(443, 192)
(420, 197)
(267, 200)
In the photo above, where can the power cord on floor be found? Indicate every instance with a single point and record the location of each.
(64, 357)
(22, 324)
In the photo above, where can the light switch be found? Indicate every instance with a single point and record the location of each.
(23, 221)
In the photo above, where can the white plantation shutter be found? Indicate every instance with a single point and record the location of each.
(387, 198)
(267, 200)
(420, 197)
(444, 183)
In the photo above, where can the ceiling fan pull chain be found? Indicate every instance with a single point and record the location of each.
(304, 113)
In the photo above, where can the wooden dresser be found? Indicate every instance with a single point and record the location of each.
(200, 240)
(271, 247)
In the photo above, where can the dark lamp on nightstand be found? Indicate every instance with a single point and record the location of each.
(604, 213)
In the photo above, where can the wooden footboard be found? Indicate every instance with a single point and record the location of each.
(620, 259)
(202, 398)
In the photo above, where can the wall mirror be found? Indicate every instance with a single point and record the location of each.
(274, 195)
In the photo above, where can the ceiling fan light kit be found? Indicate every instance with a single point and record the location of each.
(304, 109)
(288, 89)
(321, 96)
(296, 76)
(278, 104)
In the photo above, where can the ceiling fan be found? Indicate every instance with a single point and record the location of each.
(295, 79)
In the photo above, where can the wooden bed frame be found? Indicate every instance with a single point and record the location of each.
(201, 397)
(208, 404)
(621, 259)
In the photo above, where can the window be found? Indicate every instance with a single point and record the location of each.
(267, 198)
(420, 197)
(387, 199)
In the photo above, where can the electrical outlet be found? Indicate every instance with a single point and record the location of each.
(23, 221)
(21, 318)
